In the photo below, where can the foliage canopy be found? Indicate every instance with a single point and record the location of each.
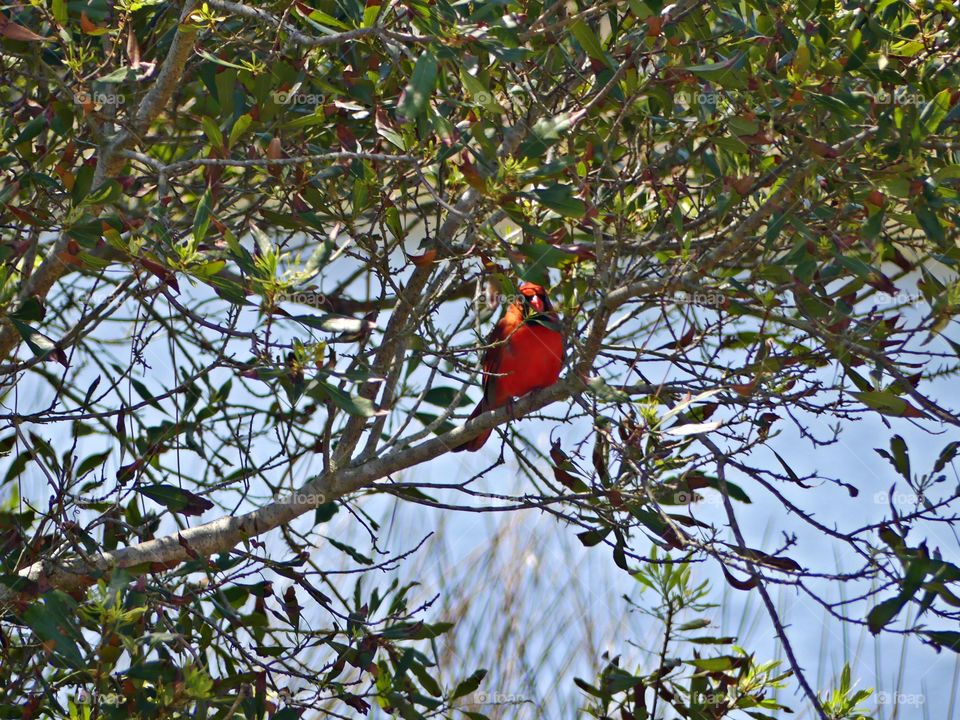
(249, 254)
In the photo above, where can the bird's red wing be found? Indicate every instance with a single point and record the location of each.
(492, 360)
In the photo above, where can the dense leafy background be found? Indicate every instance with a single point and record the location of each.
(247, 246)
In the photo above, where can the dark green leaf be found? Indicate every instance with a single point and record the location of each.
(176, 499)
(465, 687)
(416, 95)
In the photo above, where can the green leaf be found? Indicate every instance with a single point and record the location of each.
(176, 499)
(886, 403)
(426, 679)
(212, 131)
(370, 14)
(317, 117)
(30, 310)
(695, 624)
(545, 133)
(949, 639)
(588, 40)
(741, 126)
(604, 392)
(593, 537)
(417, 630)
(931, 224)
(393, 222)
(444, 397)
(91, 462)
(351, 404)
(934, 112)
(17, 466)
(287, 713)
(470, 685)
(946, 455)
(121, 74)
(697, 481)
(343, 547)
(416, 95)
(559, 198)
(55, 620)
(587, 687)
(883, 613)
(217, 61)
(427, 419)
(239, 128)
(712, 664)
(479, 93)
(321, 18)
(901, 458)
(201, 219)
(39, 344)
(59, 9)
(31, 129)
(20, 584)
(324, 512)
(106, 193)
(724, 73)
(144, 393)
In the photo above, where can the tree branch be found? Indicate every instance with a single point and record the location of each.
(109, 162)
(223, 534)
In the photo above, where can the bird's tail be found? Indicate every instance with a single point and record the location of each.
(479, 440)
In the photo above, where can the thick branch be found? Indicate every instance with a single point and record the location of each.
(223, 534)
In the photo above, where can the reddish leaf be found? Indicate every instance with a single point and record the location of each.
(348, 140)
(274, 152)
(87, 25)
(133, 47)
(161, 272)
(472, 175)
(356, 703)
(14, 31)
(821, 148)
(191, 553)
(427, 258)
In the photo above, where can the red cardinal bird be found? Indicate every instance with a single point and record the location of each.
(526, 354)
